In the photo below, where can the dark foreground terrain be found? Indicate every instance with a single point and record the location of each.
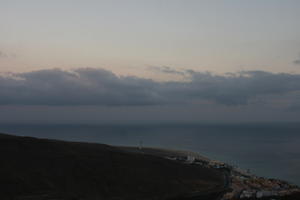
(41, 169)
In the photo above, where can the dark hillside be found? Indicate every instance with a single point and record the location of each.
(32, 168)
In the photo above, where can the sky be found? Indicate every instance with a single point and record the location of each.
(136, 60)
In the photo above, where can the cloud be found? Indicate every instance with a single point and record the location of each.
(167, 70)
(89, 86)
(2, 54)
(240, 88)
(296, 62)
(78, 87)
(5, 55)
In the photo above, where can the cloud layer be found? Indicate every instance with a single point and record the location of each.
(2, 55)
(5, 55)
(88, 86)
(296, 62)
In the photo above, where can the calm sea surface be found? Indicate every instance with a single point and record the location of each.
(269, 150)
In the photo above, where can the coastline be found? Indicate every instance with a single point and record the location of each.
(35, 169)
(238, 183)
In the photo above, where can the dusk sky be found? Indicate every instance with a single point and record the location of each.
(103, 61)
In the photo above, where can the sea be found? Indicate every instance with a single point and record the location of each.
(269, 150)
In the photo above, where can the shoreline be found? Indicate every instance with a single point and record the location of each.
(240, 183)
(186, 175)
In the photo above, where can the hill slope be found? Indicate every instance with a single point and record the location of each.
(34, 168)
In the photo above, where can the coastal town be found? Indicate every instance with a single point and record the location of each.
(241, 183)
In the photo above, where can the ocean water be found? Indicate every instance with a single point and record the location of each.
(268, 150)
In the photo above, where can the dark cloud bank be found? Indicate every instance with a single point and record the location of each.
(89, 86)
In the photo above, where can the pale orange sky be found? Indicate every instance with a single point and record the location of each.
(127, 37)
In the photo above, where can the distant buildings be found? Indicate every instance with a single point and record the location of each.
(244, 184)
